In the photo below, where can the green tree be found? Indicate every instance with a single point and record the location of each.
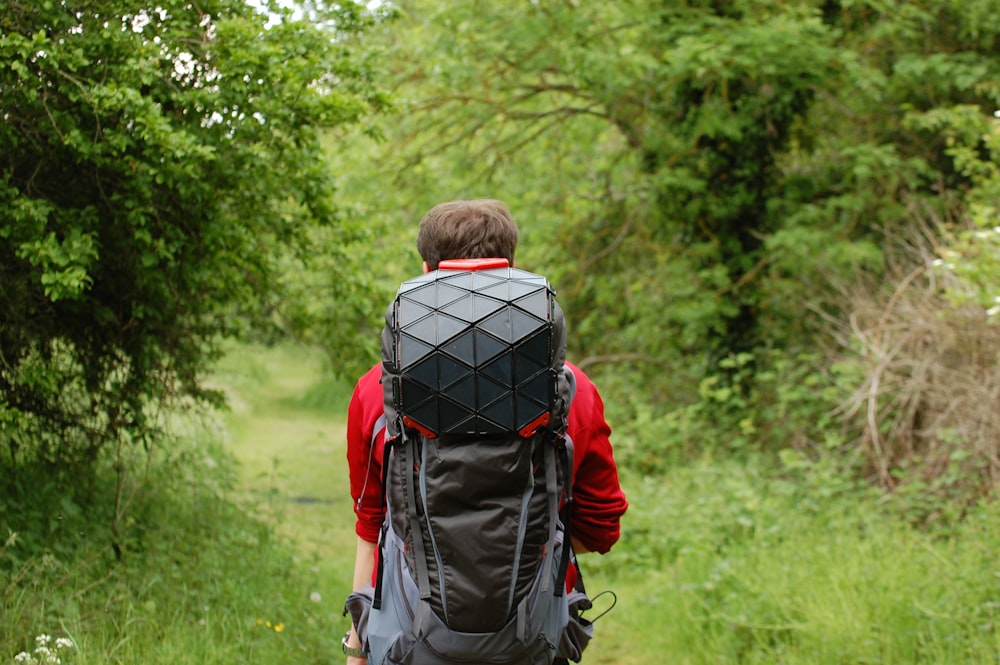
(653, 133)
(712, 177)
(159, 164)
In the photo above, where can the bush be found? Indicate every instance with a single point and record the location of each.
(196, 578)
(749, 561)
(923, 416)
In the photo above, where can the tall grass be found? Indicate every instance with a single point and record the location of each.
(240, 543)
(730, 562)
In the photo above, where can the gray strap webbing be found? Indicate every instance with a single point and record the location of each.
(552, 490)
(407, 462)
(438, 561)
(522, 528)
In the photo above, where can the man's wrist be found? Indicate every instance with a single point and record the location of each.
(357, 652)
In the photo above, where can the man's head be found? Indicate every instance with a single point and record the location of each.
(476, 229)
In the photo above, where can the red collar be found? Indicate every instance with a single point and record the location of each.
(473, 264)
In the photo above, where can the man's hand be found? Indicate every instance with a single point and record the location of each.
(355, 643)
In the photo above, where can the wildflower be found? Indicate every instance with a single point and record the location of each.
(279, 627)
(260, 622)
(315, 597)
(46, 651)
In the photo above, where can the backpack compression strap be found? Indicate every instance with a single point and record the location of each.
(390, 444)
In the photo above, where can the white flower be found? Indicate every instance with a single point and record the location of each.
(315, 597)
(43, 639)
(24, 657)
(63, 642)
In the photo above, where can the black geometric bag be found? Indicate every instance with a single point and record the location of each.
(475, 545)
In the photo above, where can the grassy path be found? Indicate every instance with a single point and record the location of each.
(287, 424)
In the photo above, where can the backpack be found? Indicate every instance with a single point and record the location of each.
(475, 546)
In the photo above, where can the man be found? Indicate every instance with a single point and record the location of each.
(478, 229)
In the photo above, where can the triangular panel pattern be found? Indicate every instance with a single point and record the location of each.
(473, 350)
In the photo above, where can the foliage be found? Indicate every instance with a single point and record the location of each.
(750, 562)
(677, 117)
(722, 560)
(717, 189)
(203, 577)
(158, 165)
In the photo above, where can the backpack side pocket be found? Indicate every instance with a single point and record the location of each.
(359, 606)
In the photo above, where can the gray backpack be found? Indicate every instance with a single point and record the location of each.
(475, 546)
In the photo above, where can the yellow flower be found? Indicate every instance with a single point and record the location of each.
(280, 627)
(268, 624)
(260, 621)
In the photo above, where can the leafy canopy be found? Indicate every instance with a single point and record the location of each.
(157, 163)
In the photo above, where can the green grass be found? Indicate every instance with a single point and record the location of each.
(245, 525)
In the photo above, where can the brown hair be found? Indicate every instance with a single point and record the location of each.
(476, 229)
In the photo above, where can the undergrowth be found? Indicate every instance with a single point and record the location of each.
(746, 561)
(198, 579)
(745, 558)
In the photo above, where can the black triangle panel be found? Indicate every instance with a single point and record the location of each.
(500, 370)
(484, 426)
(412, 350)
(486, 279)
(525, 277)
(498, 325)
(425, 329)
(416, 283)
(528, 410)
(460, 308)
(462, 347)
(448, 327)
(538, 347)
(412, 394)
(487, 347)
(462, 280)
(472, 362)
(538, 389)
(450, 371)
(488, 392)
(424, 372)
(463, 393)
(498, 290)
(501, 412)
(410, 310)
(520, 289)
(452, 415)
(536, 303)
(523, 324)
(448, 294)
(526, 368)
(426, 414)
(483, 306)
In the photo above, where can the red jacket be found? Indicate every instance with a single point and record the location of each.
(598, 500)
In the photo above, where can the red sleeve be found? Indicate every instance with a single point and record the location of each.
(364, 453)
(598, 499)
